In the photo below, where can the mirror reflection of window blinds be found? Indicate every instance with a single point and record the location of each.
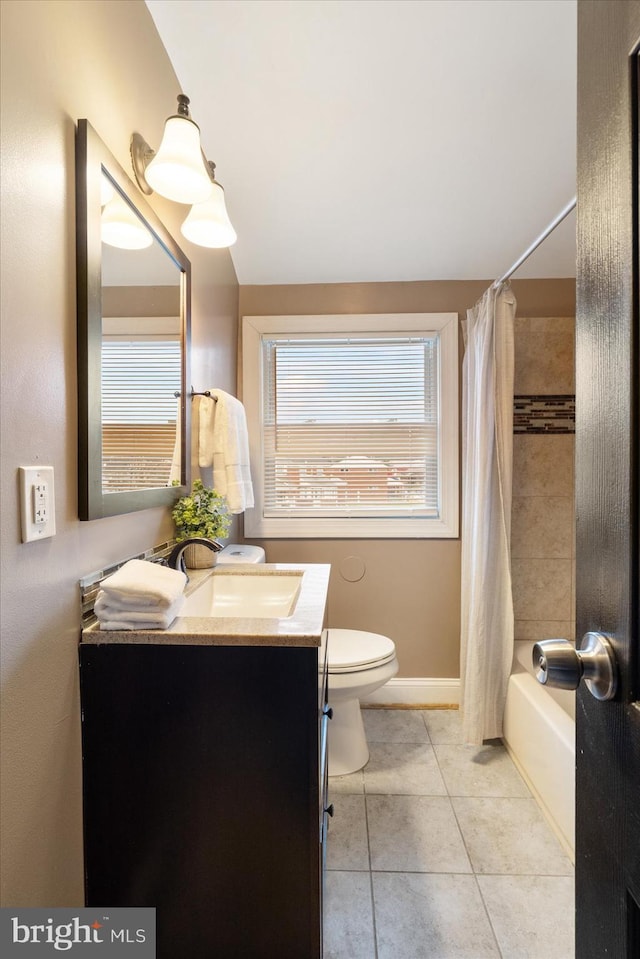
(139, 409)
(351, 425)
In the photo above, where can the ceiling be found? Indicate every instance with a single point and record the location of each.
(381, 140)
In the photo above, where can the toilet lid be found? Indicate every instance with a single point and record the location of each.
(352, 649)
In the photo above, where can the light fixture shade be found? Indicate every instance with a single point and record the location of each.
(208, 223)
(121, 227)
(178, 170)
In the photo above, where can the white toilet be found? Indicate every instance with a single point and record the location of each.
(240, 553)
(359, 663)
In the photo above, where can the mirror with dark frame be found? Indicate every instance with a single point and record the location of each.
(134, 288)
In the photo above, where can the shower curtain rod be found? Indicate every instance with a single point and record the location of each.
(536, 243)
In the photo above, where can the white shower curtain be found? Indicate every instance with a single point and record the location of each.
(487, 457)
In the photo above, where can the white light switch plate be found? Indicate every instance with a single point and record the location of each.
(37, 502)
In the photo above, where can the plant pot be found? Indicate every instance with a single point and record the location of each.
(199, 557)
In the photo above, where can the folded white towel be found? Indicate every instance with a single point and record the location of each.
(115, 617)
(224, 444)
(142, 584)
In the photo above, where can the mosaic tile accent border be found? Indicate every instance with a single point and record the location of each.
(90, 584)
(544, 414)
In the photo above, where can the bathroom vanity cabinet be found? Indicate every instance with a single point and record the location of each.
(204, 771)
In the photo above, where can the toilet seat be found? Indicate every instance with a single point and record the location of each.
(353, 650)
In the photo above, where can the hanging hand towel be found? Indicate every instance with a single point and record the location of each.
(175, 473)
(224, 444)
(115, 616)
(142, 584)
(206, 417)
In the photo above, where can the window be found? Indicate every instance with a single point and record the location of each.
(353, 425)
(140, 377)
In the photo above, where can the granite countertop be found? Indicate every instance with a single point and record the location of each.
(302, 628)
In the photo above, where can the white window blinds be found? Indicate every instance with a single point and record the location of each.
(139, 379)
(351, 425)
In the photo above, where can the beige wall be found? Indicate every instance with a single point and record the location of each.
(103, 60)
(410, 589)
(141, 300)
(535, 297)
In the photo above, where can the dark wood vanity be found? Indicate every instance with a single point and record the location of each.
(205, 792)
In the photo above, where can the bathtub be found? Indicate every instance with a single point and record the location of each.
(539, 732)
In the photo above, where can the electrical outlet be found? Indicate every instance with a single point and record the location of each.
(37, 502)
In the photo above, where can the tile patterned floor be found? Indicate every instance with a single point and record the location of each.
(438, 851)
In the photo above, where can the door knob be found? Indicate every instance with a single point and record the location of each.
(557, 663)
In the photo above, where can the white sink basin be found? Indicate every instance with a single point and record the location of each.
(259, 595)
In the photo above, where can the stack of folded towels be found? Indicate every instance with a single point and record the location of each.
(140, 595)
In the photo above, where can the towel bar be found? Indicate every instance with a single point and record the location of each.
(198, 393)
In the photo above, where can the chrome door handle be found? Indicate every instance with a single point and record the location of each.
(557, 663)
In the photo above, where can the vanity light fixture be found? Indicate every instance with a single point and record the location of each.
(179, 169)
(181, 172)
(119, 225)
(208, 223)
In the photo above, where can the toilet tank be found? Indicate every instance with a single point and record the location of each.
(241, 553)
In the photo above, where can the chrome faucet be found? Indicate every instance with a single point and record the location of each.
(176, 557)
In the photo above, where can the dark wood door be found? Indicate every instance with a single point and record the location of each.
(607, 442)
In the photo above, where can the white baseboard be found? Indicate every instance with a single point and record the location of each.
(416, 691)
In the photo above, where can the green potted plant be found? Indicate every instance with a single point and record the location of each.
(205, 514)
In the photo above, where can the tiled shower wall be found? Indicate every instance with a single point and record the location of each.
(543, 519)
